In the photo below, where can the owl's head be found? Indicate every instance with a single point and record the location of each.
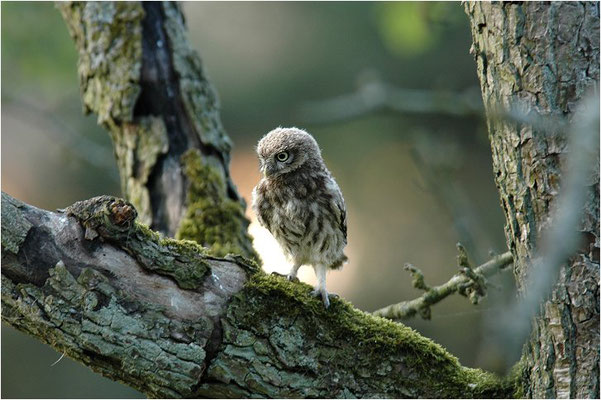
(284, 150)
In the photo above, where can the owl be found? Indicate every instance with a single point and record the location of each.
(299, 202)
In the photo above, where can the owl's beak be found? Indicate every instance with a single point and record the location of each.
(267, 169)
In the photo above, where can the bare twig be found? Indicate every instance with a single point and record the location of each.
(469, 282)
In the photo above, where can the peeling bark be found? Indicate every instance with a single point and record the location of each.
(541, 58)
(171, 321)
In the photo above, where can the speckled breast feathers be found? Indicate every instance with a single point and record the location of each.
(299, 201)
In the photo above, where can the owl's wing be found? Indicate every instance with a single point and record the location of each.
(260, 205)
(340, 210)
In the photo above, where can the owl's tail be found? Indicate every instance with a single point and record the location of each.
(340, 262)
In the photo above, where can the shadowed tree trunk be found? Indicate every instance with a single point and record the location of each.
(541, 58)
(139, 74)
(175, 319)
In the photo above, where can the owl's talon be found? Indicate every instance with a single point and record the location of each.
(324, 296)
(292, 278)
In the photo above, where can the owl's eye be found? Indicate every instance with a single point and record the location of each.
(283, 156)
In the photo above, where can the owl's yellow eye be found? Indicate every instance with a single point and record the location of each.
(283, 156)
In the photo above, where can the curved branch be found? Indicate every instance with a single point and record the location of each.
(113, 295)
(171, 321)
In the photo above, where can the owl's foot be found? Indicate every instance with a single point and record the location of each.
(291, 277)
(325, 296)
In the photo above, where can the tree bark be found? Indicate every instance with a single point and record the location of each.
(541, 58)
(168, 319)
(138, 72)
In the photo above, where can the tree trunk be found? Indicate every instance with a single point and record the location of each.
(541, 58)
(138, 72)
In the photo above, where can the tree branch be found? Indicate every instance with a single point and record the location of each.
(170, 320)
(374, 95)
(108, 292)
(467, 282)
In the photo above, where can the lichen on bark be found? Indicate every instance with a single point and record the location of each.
(145, 81)
(119, 337)
(108, 36)
(198, 94)
(106, 291)
(115, 220)
(14, 227)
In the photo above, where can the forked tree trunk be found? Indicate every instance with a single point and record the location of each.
(542, 58)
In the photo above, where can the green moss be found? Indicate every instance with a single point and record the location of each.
(379, 333)
(183, 260)
(518, 378)
(212, 219)
(249, 265)
(371, 356)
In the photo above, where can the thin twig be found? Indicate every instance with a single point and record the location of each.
(421, 305)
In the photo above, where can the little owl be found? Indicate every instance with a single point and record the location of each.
(299, 202)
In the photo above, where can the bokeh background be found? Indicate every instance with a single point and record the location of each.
(414, 183)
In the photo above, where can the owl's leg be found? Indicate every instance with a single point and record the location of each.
(292, 274)
(320, 288)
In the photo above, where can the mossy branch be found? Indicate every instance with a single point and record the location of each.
(166, 318)
(108, 292)
(468, 282)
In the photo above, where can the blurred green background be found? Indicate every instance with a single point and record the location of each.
(415, 184)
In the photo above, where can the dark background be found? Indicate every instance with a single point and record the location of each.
(414, 184)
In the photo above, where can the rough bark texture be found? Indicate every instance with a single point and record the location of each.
(112, 294)
(138, 72)
(542, 58)
(166, 318)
